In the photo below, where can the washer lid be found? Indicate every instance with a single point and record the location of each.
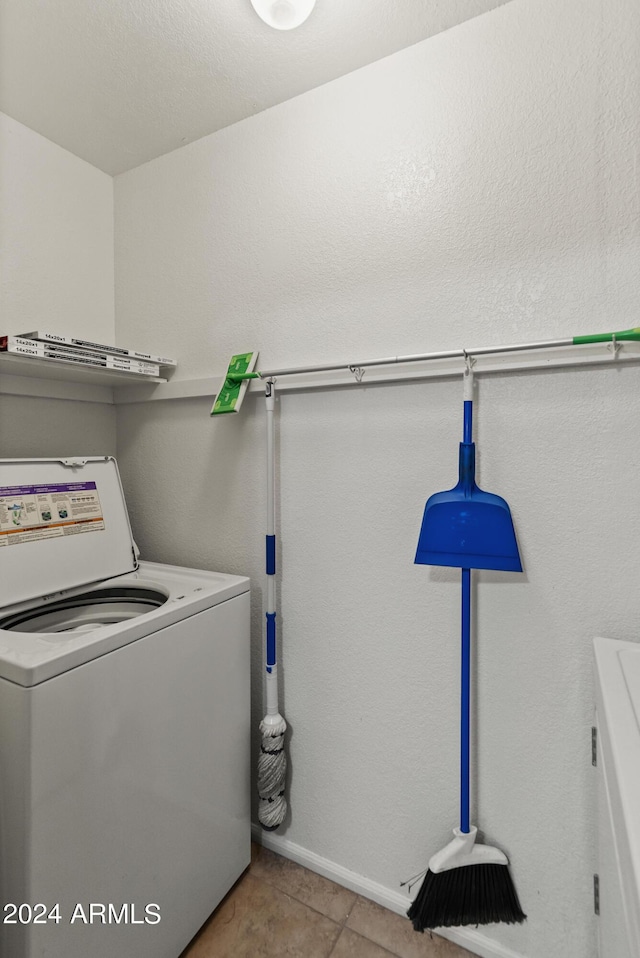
(63, 524)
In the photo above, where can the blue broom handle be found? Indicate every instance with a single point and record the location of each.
(465, 697)
(465, 703)
(467, 431)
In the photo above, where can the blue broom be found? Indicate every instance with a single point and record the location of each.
(467, 883)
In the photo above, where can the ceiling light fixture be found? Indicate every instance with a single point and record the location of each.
(283, 14)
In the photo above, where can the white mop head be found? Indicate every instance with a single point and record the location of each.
(272, 772)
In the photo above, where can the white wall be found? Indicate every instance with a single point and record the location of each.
(55, 427)
(56, 237)
(56, 273)
(479, 187)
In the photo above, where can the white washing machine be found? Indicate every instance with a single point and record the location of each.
(124, 725)
(618, 761)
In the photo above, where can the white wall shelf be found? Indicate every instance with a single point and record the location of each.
(23, 376)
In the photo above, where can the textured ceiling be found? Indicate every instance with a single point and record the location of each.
(119, 82)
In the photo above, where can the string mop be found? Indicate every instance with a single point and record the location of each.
(272, 763)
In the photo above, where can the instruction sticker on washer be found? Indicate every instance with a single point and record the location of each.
(30, 513)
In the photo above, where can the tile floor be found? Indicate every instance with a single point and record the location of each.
(280, 910)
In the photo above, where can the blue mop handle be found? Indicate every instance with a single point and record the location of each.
(271, 640)
(465, 697)
(271, 613)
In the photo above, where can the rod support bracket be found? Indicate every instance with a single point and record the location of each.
(614, 347)
(469, 361)
(358, 372)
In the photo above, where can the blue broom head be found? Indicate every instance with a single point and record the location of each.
(468, 528)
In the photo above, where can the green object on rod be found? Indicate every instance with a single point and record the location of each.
(242, 366)
(235, 385)
(625, 334)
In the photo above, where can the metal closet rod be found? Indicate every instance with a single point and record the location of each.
(628, 335)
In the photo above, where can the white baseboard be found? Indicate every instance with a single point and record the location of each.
(472, 940)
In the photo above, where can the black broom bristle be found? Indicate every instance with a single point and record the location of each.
(467, 895)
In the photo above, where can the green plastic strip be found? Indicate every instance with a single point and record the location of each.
(233, 390)
(625, 334)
